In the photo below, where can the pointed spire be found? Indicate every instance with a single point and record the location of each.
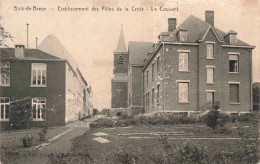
(121, 42)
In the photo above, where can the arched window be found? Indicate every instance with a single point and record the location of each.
(120, 60)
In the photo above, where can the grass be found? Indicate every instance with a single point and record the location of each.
(149, 150)
(11, 146)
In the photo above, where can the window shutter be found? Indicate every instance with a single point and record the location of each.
(234, 93)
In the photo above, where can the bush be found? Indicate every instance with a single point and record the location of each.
(43, 133)
(102, 122)
(128, 155)
(213, 119)
(27, 141)
(20, 113)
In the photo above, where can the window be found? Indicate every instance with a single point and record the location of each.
(152, 71)
(210, 99)
(153, 97)
(148, 99)
(38, 74)
(158, 94)
(183, 91)
(38, 106)
(234, 93)
(158, 65)
(183, 36)
(210, 75)
(5, 108)
(210, 51)
(4, 73)
(233, 63)
(120, 60)
(147, 73)
(183, 61)
(233, 39)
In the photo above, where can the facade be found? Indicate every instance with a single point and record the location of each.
(119, 82)
(55, 91)
(137, 55)
(256, 97)
(192, 68)
(197, 66)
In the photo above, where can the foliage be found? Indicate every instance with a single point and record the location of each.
(43, 133)
(20, 113)
(4, 35)
(212, 118)
(128, 155)
(102, 122)
(27, 141)
(84, 117)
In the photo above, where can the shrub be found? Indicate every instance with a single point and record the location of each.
(250, 154)
(20, 113)
(43, 133)
(102, 122)
(27, 141)
(212, 119)
(128, 155)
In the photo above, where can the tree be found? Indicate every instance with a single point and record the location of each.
(5, 36)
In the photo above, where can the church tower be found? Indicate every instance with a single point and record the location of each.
(119, 82)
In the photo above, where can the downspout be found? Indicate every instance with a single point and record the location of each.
(163, 80)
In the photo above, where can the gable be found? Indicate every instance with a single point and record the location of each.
(210, 35)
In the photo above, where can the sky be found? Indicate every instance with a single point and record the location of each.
(92, 36)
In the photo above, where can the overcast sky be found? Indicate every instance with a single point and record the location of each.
(91, 37)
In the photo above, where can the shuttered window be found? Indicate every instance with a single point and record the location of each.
(183, 61)
(183, 92)
(234, 93)
(210, 51)
(210, 75)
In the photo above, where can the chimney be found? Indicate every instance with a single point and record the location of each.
(209, 17)
(171, 24)
(19, 51)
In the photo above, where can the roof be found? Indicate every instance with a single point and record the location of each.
(197, 28)
(121, 42)
(256, 84)
(9, 53)
(138, 52)
(52, 45)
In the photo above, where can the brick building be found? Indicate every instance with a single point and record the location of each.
(195, 66)
(56, 92)
(191, 68)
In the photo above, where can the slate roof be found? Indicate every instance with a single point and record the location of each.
(196, 30)
(9, 53)
(121, 42)
(138, 52)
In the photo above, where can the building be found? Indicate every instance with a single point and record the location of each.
(57, 92)
(192, 68)
(196, 66)
(137, 55)
(256, 97)
(119, 83)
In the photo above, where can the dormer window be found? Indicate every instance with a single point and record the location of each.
(183, 35)
(233, 39)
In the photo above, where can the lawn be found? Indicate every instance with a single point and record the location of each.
(11, 146)
(147, 144)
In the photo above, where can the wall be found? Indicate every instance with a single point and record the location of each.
(152, 83)
(124, 67)
(54, 93)
(75, 106)
(119, 94)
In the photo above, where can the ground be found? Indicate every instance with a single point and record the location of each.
(12, 150)
(147, 141)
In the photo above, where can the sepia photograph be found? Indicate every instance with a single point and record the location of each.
(129, 81)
